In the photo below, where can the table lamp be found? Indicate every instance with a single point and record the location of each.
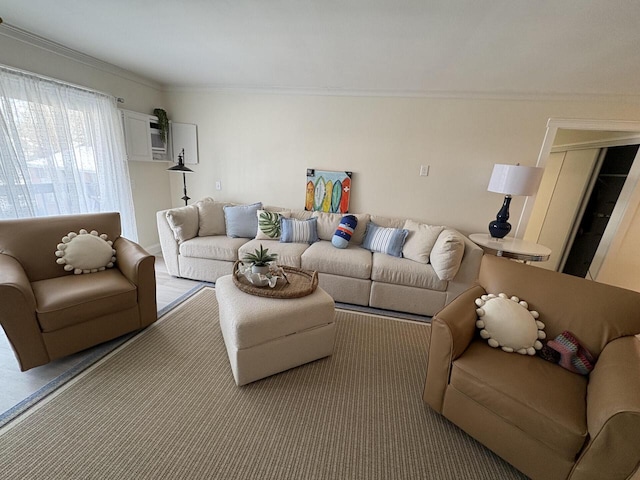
(511, 180)
(180, 167)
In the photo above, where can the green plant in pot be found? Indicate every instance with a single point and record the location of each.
(260, 260)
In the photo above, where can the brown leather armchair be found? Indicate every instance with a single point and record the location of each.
(47, 312)
(548, 422)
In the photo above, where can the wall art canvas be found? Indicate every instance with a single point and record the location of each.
(328, 191)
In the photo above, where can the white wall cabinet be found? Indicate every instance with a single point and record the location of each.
(142, 142)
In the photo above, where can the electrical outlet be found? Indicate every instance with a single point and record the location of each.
(424, 170)
(218, 185)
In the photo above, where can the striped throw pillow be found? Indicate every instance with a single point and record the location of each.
(299, 231)
(384, 240)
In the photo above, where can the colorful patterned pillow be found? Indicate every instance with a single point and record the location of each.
(269, 224)
(344, 231)
(299, 231)
(384, 239)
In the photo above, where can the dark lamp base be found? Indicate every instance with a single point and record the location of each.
(499, 229)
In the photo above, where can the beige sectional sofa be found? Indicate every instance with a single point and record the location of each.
(195, 245)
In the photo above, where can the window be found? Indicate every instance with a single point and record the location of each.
(61, 151)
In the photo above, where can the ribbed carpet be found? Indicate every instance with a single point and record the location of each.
(164, 406)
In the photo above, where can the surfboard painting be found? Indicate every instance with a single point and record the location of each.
(327, 191)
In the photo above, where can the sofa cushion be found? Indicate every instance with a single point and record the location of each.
(447, 254)
(210, 217)
(73, 299)
(241, 221)
(217, 247)
(400, 271)
(384, 240)
(352, 261)
(298, 231)
(183, 222)
(557, 417)
(328, 223)
(288, 253)
(420, 240)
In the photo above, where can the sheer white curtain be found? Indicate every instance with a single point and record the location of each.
(61, 151)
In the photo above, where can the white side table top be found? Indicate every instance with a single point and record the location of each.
(511, 247)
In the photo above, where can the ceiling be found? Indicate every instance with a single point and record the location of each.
(396, 47)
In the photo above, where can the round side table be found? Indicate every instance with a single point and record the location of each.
(511, 248)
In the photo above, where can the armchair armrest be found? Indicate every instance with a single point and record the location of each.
(613, 413)
(18, 314)
(139, 267)
(452, 330)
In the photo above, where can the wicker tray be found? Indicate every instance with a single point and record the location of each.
(300, 283)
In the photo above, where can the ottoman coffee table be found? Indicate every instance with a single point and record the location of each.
(265, 336)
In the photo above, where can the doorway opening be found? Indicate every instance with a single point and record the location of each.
(598, 208)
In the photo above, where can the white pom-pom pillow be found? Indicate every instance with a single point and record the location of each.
(85, 252)
(506, 322)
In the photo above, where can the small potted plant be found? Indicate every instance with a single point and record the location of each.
(259, 260)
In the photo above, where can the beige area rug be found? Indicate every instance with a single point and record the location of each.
(165, 406)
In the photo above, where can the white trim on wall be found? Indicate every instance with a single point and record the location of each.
(553, 124)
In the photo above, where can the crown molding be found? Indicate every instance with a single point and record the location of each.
(20, 35)
(510, 96)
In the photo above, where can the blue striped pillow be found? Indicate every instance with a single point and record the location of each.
(299, 231)
(384, 240)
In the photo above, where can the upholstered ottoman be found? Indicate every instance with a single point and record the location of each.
(265, 336)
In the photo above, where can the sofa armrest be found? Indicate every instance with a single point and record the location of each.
(469, 270)
(613, 413)
(452, 330)
(168, 244)
(139, 267)
(18, 314)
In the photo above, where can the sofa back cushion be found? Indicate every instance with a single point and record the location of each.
(33, 241)
(594, 312)
(420, 241)
(211, 217)
(446, 255)
(183, 222)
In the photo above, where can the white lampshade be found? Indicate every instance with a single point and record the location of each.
(515, 179)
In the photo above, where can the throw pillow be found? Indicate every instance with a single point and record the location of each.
(506, 322)
(384, 240)
(183, 222)
(328, 223)
(344, 231)
(85, 252)
(420, 241)
(566, 351)
(269, 224)
(242, 220)
(447, 254)
(299, 231)
(210, 217)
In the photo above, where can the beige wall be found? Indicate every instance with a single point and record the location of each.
(150, 181)
(259, 146)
